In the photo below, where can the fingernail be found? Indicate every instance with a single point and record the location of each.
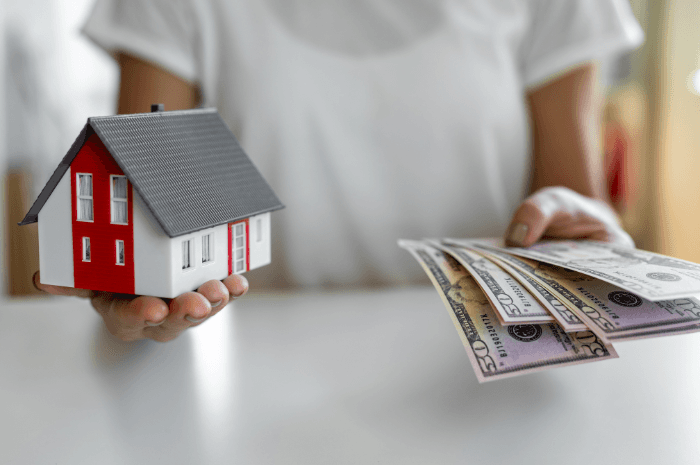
(153, 323)
(194, 320)
(217, 303)
(518, 233)
(245, 287)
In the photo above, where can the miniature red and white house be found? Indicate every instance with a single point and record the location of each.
(154, 203)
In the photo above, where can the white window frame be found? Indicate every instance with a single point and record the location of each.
(188, 255)
(87, 251)
(208, 251)
(123, 254)
(114, 200)
(85, 197)
(236, 249)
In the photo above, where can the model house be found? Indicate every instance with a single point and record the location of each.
(154, 203)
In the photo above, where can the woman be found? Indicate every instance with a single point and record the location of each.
(375, 120)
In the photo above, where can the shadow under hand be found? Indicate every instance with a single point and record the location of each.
(110, 353)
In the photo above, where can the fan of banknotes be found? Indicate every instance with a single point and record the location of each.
(557, 303)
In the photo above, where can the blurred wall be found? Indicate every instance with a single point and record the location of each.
(4, 278)
(679, 132)
(51, 80)
(637, 102)
(662, 113)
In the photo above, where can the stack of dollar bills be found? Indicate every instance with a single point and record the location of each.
(557, 303)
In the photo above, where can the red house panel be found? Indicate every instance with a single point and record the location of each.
(105, 269)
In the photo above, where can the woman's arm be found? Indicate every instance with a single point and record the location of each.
(566, 128)
(568, 198)
(142, 84)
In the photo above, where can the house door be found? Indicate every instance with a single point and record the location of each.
(238, 247)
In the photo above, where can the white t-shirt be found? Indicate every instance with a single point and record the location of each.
(372, 119)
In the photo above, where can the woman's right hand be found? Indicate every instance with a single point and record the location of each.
(132, 317)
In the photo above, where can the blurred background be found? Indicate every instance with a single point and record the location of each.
(52, 79)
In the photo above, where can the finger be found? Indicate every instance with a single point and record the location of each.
(620, 237)
(546, 207)
(140, 311)
(59, 290)
(237, 285)
(595, 231)
(528, 224)
(188, 309)
(102, 302)
(578, 228)
(216, 293)
(126, 316)
(559, 212)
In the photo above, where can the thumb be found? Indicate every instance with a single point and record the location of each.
(59, 290)
(529, 223)
(536, 213)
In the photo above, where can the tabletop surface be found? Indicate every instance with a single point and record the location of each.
(327, 378)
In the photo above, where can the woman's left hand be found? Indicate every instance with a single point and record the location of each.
(561, 213)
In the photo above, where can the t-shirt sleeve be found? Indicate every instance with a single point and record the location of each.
(565, 33)
(159, 31)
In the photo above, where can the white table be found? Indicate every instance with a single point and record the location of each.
(335, 378)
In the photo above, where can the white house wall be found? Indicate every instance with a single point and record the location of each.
(152, 257)
(199, 273)
(56, 237)
(259, 228)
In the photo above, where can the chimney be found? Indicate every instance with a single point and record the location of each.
(157, 107)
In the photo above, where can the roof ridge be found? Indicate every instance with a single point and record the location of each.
(154, 114)
(189, 169)
(213, 180)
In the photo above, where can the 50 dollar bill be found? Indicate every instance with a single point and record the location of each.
(513, 303)
(614, 314)
(496, 351)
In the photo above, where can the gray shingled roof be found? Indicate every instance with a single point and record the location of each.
(186, 165)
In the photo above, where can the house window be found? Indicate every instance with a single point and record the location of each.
(119, 202)
(239, 248)
(86, 249)
(84, 197)
(258, 226)
(187, 252)
(208, 248)
(120, 252)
